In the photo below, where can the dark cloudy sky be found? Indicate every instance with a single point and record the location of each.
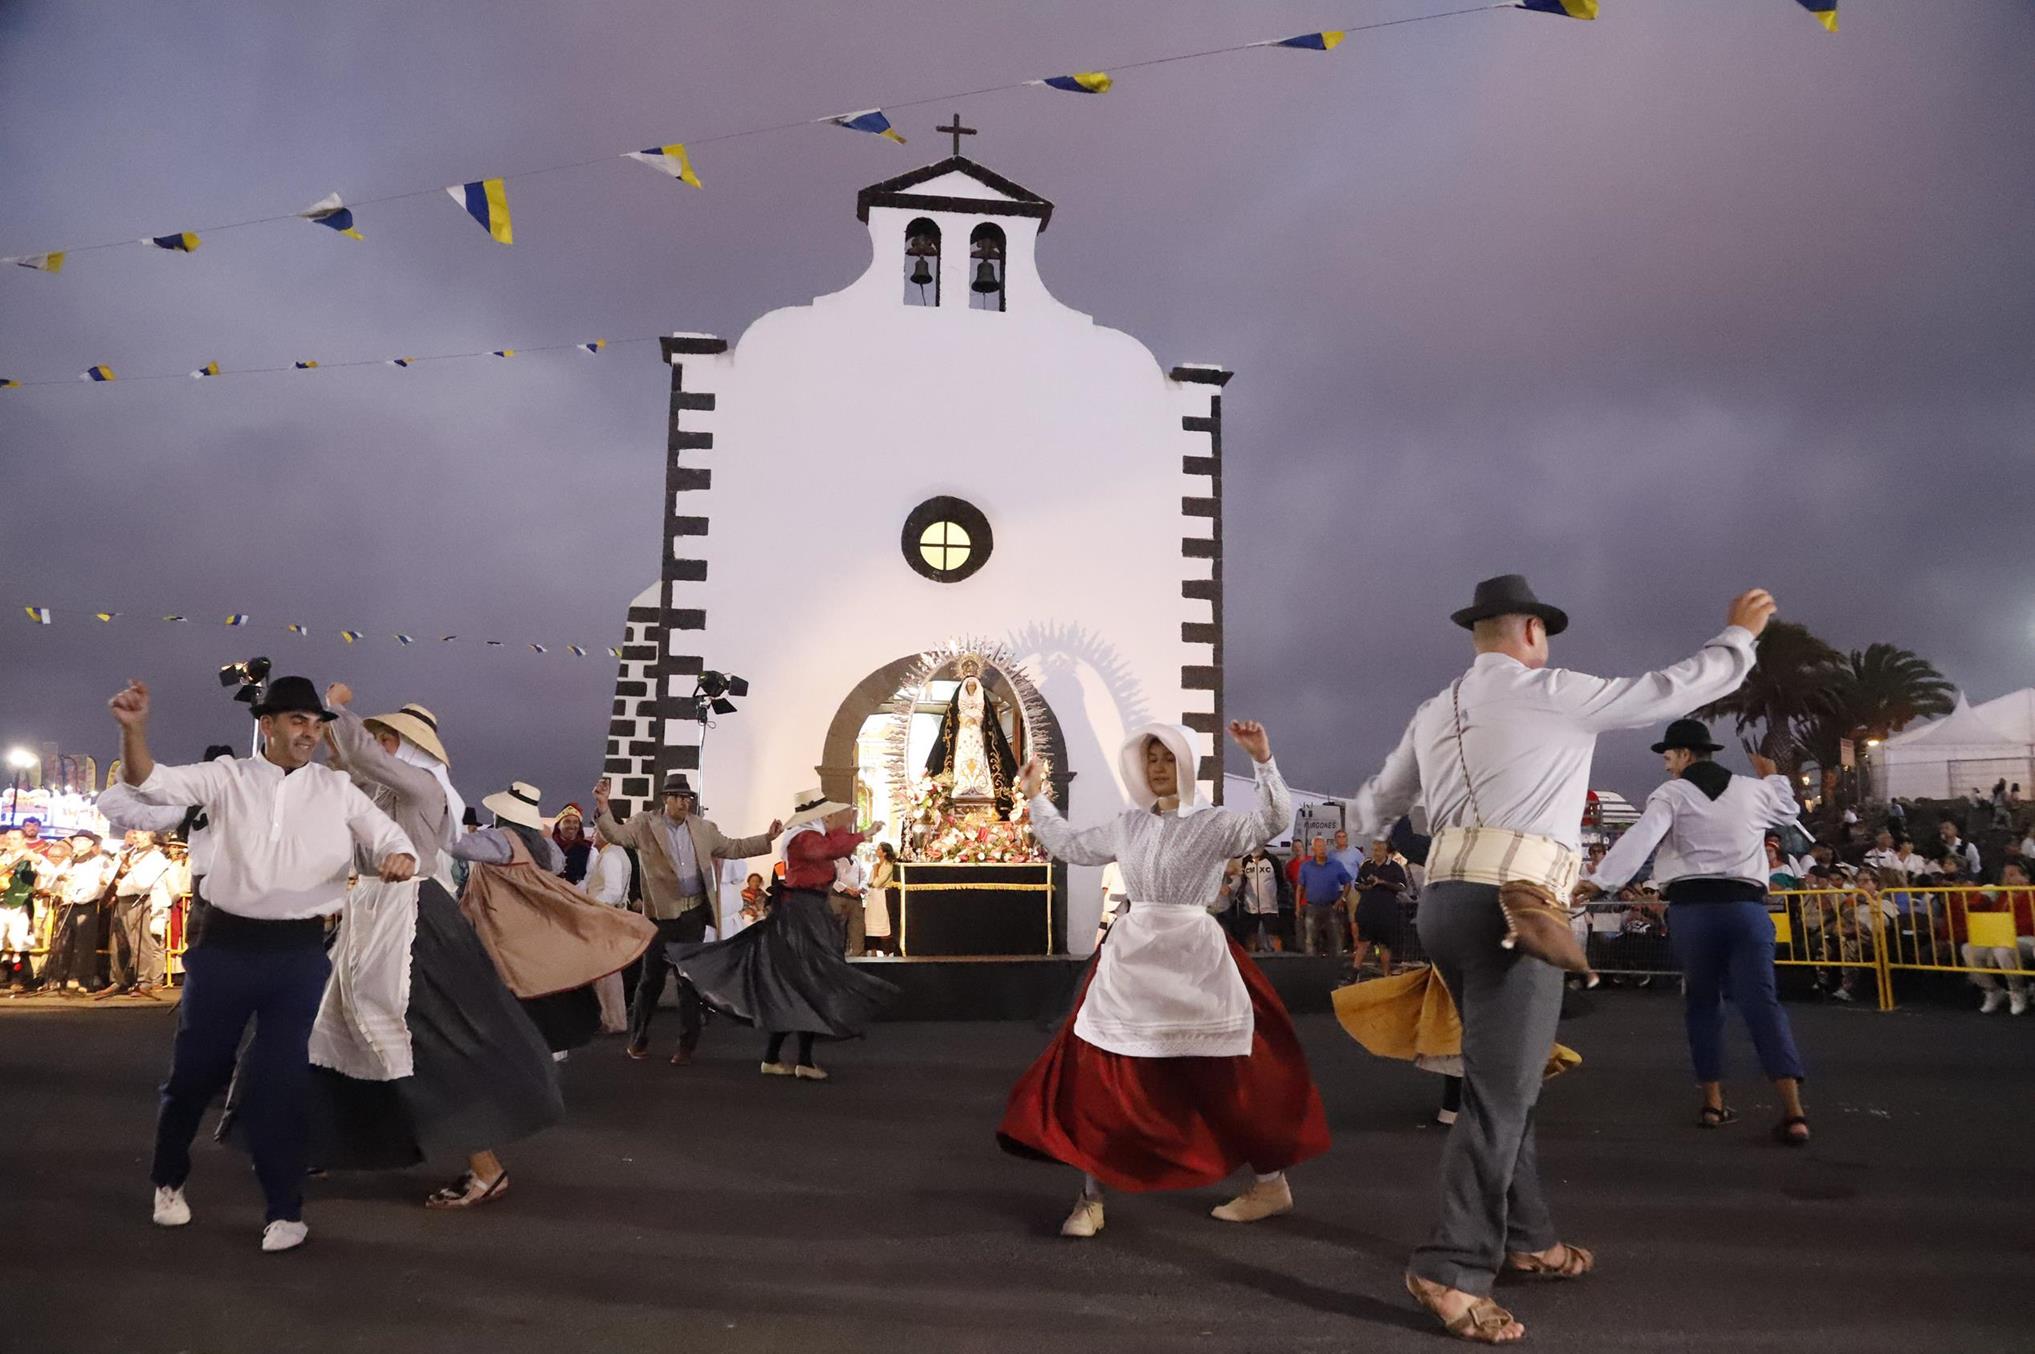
(1691, 298)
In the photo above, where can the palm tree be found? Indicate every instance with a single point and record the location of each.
(1794, 682)
(1886, 688)
(1873, 694)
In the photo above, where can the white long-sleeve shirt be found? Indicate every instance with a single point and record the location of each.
(1700, 837)
(607, 879)
(282, 844)
(1529, 735)
(126, 811)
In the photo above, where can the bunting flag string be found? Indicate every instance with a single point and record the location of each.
(102, 373)
(241, 620)
(486, 200)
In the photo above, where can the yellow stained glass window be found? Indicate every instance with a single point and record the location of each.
(945, 546)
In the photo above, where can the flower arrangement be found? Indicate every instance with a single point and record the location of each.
(937, 832)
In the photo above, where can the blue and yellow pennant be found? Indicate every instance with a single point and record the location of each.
(1825, 12)
(670, 160)
(1567, 9)
(1325, 41)
(209, 369)
(1081, 82)
(238, 618)
(333, 214)
(486, 201)
(183, 242)
(869, 120)
(102, 372)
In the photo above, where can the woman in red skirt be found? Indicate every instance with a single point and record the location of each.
(1179, 1064)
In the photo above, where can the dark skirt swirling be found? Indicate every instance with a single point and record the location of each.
(786, 973)
(484, 1076)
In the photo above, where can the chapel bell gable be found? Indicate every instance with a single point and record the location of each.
(960, 235)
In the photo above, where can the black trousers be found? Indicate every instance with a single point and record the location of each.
(688, 928)
(272, 973)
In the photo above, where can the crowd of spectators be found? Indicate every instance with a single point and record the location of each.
(80, 917)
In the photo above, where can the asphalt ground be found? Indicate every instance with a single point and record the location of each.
(710, 1209)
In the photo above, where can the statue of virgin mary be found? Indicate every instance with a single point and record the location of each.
(972, 748)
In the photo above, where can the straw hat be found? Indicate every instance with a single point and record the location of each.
(417, 724)
(811, 806)
(519, 804)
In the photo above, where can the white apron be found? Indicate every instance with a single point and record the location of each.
(1166, 987)
(361, 1029)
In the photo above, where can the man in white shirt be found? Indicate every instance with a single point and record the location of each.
(74, 934)
(131, 950)
(1711, 829)
(1883, 856)
(283, 832)
(607, 881)
(1506, 750)
(851, 879)
(1949, 843)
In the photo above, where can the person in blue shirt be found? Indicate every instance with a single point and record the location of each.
(1323, 880)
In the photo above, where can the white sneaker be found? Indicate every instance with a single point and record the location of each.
(1085, 1220)
(284, 1236)
(777, 1069)
(170, 1208)
(1994, 1000)
(2017, 1004)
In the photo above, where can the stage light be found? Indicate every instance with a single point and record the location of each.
(21, 758)
(249, 675)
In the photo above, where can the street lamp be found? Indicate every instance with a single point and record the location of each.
(18, 760)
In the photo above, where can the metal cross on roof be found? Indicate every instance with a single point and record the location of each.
(957, 131)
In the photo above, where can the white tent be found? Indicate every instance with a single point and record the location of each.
(2013, 715)
(1949, 757)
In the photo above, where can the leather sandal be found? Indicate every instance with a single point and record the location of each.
(1483, 1322)
(468, 1191)
(1575, 1263)
(1785, 1135)
(1716, 1116)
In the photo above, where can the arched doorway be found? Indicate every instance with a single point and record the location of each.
(865, 740)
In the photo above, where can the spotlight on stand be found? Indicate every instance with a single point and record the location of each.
(249, 676)
(713, 689)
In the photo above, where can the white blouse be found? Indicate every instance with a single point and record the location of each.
(1165, 986)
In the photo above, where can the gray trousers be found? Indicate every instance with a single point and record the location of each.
(133, 953)
(1491, 1200)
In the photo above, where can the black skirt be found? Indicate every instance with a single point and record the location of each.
(786, 974)
(484, 1076)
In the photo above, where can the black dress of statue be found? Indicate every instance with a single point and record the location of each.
(1001, 761)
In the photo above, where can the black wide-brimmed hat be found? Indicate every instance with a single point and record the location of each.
(1509, 595)
(1692, 734)
(675, 783)
(292, 695)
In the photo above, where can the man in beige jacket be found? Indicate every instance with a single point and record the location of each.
(680, 856)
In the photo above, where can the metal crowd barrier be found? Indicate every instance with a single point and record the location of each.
(1862, 939)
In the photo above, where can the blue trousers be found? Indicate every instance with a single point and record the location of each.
(225, 985)
(1728, 949)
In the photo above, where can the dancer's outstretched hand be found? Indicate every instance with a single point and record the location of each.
(1032, 778)
(130, 705)
(1752, 610)
(1250, 735)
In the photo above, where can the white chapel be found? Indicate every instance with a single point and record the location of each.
(939, 466)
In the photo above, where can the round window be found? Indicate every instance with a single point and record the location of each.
(946, 539)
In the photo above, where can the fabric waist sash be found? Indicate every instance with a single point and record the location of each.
(1501, 855)
(1713, 889)
(251, 933)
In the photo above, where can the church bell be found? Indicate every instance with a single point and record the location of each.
(986, 280)
(922, 276)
